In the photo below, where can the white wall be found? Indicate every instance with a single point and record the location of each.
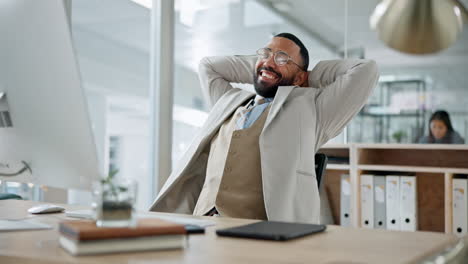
(98, 108)
(2, 48)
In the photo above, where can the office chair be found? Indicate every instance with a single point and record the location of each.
(320, 167)
(326, 216)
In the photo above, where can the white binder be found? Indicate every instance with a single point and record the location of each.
(460, 207)
(392, 194)
(345, 201)
(367, 201)
(408, 203)
(380, 210)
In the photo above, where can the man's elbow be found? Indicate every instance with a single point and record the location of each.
(204, 64)
(373, 68)
(369, 70)
(370, 67)
(374, 71)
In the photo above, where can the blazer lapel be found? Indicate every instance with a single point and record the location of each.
(230, 109)
(212, 127)
(281, 95)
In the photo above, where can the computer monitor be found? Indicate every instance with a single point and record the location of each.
(45, 121)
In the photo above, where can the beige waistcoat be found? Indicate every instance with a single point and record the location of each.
(233, 182)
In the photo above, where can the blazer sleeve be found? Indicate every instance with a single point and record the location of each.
(344, 87)
(217, 73)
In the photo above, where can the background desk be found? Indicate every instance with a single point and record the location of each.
(336, 245)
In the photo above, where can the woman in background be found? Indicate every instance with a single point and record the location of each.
(441, 130)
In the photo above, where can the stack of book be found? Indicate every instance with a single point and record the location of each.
(83, 237)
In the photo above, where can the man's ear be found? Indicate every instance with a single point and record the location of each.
(301, 79)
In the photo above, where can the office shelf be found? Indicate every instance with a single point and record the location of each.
(335, 146)
(406, 146)
(390, 114)
(338, 167)
(412, 169)
(434, 166)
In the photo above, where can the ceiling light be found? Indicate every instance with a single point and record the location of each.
(418, 27)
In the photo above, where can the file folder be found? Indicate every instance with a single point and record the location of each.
(380, 209)
(408, 203)
(392, 194)
(367, 201)
(345, 200)
(460, 207)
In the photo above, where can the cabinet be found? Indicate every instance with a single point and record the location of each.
(433, 165)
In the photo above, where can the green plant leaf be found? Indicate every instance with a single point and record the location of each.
(112, 174)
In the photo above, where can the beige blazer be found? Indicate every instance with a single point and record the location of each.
(300, 120)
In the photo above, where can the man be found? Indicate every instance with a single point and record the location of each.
(254, 157)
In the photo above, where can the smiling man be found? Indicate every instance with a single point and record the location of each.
(276, 68)
(254, 156)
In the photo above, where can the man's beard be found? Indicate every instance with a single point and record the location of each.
(269, 90)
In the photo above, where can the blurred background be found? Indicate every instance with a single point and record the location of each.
(112, 42)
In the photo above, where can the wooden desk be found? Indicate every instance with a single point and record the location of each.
(336, 245)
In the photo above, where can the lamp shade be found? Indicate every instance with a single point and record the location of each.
(418, 26)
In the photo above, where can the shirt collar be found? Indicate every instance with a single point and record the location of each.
(261, 100)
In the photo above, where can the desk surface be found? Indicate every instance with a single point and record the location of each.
(336, 245)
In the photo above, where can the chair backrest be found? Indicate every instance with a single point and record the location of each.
(320, 167)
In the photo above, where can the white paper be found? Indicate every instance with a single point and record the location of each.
(178, 219)
(85, 214)
(21, 224)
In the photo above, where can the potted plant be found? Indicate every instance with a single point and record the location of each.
(116, 198)
(399, 135)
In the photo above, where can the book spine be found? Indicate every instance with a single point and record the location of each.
(118, 233)
(68, 232)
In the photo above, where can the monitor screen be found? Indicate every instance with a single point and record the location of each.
(45, 132)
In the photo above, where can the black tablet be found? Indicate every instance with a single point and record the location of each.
(272, 230)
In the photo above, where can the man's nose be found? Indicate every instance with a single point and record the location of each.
(270, 62)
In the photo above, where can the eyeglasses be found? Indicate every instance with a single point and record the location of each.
(281, 58)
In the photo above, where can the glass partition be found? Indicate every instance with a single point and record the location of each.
(111, 40)
(112, 43)
(213, 28)
(410, 89)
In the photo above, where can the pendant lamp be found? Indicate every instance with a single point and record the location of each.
(418, 26)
